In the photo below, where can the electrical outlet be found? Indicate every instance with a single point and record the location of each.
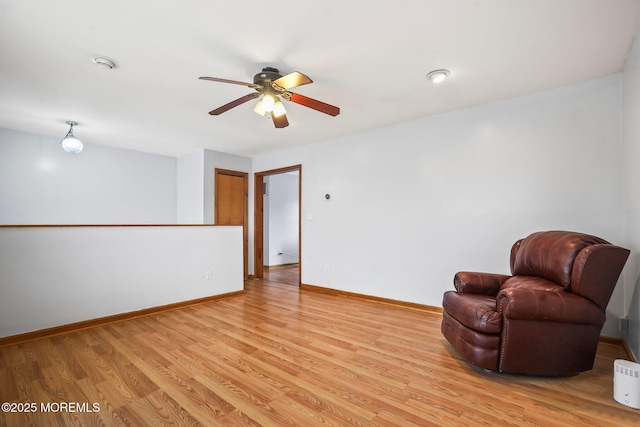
(623, 325)
(207, 275)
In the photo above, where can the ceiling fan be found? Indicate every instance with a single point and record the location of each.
(270, 85)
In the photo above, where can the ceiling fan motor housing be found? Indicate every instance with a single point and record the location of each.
(268, 74)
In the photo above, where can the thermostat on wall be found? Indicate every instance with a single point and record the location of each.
(626, 383)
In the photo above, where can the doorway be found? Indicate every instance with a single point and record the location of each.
(259, 220)
(231, 204)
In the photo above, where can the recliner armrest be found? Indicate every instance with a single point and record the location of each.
(478, 283)
(549, 306)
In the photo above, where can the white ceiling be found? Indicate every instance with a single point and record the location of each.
(369, 58)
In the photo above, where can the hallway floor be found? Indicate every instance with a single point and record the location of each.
(287, 274)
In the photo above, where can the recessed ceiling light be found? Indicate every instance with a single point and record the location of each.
(103, 62)
(437, 76)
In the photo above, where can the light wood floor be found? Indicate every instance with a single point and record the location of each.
(280, 356)
(285, 274)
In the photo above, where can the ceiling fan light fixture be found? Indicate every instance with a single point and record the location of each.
(278, 108)
(259, 109)
(70, 143)
(438, 76)
(270, 88)
(268, 102)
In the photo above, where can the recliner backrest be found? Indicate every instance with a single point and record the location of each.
(550, 255)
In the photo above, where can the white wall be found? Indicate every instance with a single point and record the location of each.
(41, 184)
(631, 131)
(51, 276)
(281, 209)
(414, 203)
(59, 275)
(190, 182)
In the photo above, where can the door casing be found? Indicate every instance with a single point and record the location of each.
(258, 224)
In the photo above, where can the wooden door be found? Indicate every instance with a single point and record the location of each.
(231, 200)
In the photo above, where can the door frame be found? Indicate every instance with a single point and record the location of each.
(245, 225)
(258, 228)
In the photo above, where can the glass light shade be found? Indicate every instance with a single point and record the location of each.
(278, 108)
(71, 144)
(258, 108)
(268, 102)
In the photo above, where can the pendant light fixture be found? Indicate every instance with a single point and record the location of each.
(70, 143)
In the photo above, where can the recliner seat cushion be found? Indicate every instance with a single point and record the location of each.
(531, 283)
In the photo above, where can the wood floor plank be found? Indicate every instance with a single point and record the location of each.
(277, 355)
(8, 385)
(107, 414)
(197, 400)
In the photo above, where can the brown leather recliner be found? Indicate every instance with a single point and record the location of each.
(544, 319)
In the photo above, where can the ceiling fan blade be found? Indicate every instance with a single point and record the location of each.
(290, 81)
(235, 82)
(280, 121)
(312, 103)
(235, 103)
